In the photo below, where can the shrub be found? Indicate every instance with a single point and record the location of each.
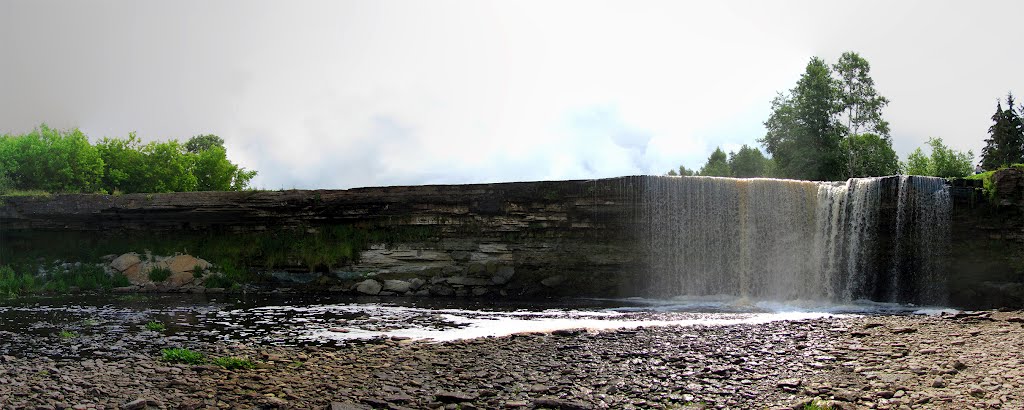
(155, 326)
(182, 356)
(67, 334)
(159, 274)
(233, 363)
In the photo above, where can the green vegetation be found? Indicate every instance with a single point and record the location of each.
(67, 334)
(182, 356)
(817, 405)
(988, 186)
(83, 277)
(1005, 144)
(942, 162)
(159, 274)
(187, 356)
(155, 326)
(238, 256)
(234, 363)
(51, 160)
(748, 162)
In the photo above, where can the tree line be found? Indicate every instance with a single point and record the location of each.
(829, 127)
(51, 160)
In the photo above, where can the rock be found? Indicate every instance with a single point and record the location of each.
(337, 405)
(178, 279)
(561, 404)
(552, 281)
(480, 291)
(186, 263)
(142, 404)
(440, 290)
(958, 365)
(903, 330)
(939, 382)
(397, 286)
(454, 396)
(466, 281)
(460, 256)
(790, 383)
(123, 262)
(416, 283)
(503, 275)
(368, 287)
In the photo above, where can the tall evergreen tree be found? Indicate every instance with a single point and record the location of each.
(1005, 145)
(717, 165)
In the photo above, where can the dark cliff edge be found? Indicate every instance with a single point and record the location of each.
(986, 263)
(574, 238)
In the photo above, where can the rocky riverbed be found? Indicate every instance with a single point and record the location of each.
(890, 361)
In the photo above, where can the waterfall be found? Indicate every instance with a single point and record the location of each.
(796, 240)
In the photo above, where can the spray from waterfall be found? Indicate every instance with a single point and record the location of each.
(868, 238)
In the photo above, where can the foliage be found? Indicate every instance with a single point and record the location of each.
(50, 160)
(862, 105)
(870, 155)
(67, 334)
(748, 162)
(182, 356)
(941, 162)
(64, 161)
(159, 274)
(234, 363)
(717, 165)
(683, 172)
(13, 284)
(1005, 144)
(988, 186)
(804, 131)
(155, 326)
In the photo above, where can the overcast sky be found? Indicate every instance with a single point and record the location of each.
(339, 94)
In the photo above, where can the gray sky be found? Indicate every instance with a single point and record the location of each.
(339, 94)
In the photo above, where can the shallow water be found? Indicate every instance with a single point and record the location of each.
(321, 319)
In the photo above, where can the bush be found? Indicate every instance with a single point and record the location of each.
(67, 334)
(155, 326)
(182, 356)
(159, 274)
(233, 363)
(13, 284)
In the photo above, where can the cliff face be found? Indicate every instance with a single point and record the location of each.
(540, 237)
(986, 267)
(583, 238)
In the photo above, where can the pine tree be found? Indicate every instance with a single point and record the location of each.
(1005, 145)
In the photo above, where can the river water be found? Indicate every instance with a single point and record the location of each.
(295, 320)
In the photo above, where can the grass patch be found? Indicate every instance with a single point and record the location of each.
(234, 363)
(155, 326)
(67, 334)
(23, 280)
(159, 274)
(817, 405)
(182, 356)
(134, 297)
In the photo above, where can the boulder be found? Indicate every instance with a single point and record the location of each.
(462, 280)
(186, 263)
(397, 286)
(178, 279)
(416, 283)
(503, 275)
(552, 281)
(369, 287)
(126, 261)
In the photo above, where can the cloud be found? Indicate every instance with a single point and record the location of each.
(343, 93)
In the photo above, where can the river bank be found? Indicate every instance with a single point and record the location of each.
(891, 361)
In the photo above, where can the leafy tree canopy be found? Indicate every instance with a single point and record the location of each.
(941, 162)
(717, 165)
(64, 161)
(870, 155)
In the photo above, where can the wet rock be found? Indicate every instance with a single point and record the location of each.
(454, 396)
(397, 286)
(368, 287)
(553, 281)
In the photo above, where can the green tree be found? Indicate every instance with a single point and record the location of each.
(52, 160)
(125, 169)
(871, 156)
(748, 162)
(683, 171)
(200, 143)
(942, 162)
(1005, 145)
(717, 165)
(804, 132)
(862, 105)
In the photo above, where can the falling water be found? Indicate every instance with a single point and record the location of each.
(792, 240)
